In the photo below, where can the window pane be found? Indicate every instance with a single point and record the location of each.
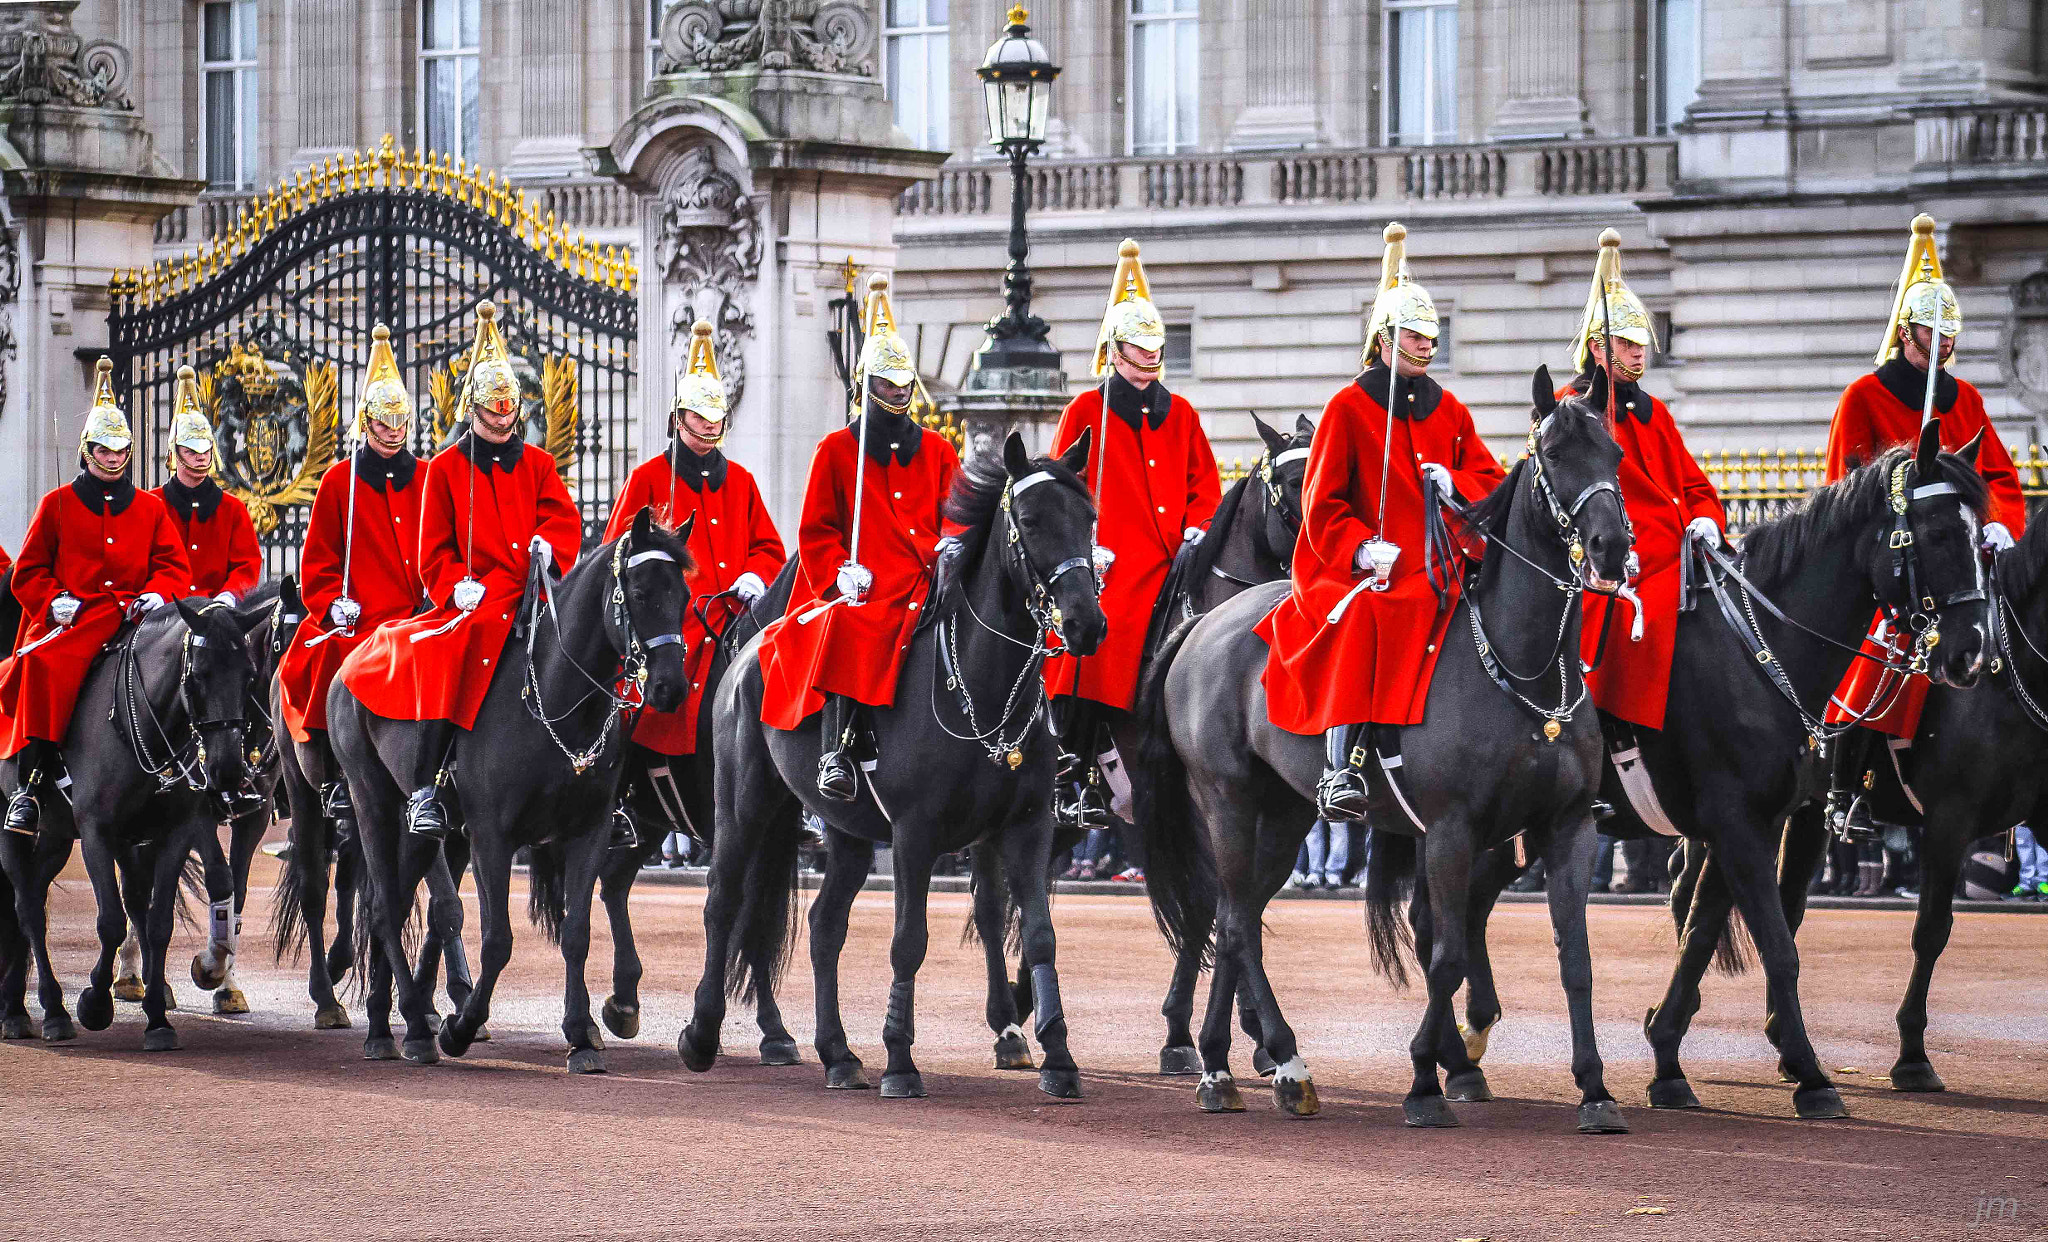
(1408, 66)
(245, 29)
(437, 23)
(906, 12)
(247, 126)
(1151, 99)
(1178, 357)
(1443, 70)
(1187, 6)
(1678, 68)
(440, 104)
(219, 43)
(906, 84)
(1187, 84)
(1142, 7)
(938, 113)
(469, 111)
(220, 129)
(472, 21)
(935, 13)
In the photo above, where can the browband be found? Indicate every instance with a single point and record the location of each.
(1294, 454)
(1030, 481)
(1932, 489)
(641, 557)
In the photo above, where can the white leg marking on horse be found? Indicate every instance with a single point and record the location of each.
(1294, 1070)
(1012, 1029)
(1216, 1078)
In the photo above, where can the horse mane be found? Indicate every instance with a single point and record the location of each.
(1774, 549)
(977, 497)
(1204, 554)
(2021, 570)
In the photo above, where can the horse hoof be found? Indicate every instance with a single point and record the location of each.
(1263, 1065)
(586, 1061)
(1468, 1087)
(95, 1010)
(1180, 1059)
(780, 1052)
(1218, 1094)
(845, 1076)
(1475, 1040)
(333, 1017)
(483, 1035)
(57, 1028)
(1428, 1112)
(1916, 1076)
(129, 988)
(1819, 1104)
(20, 1026)
(621, 1020)
(422, 1052)
(1296, 1097)
(230, 1001)
(380, 1048)
(432, 1022)
(160, 1039)
(908, 1086)
(450, 1040)
(696, 1058)
(1060, 1084)
(1672, 1093)
(338, 964)
(1601, 1117)
(1785, 1074)
(170, 1000)
(1012, 1053)
(207, 977)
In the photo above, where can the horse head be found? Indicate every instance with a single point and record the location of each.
(1050, 541)
(1573, 459)
(1925, 565)
(1281, 473)
(214, 686)
(650, 562)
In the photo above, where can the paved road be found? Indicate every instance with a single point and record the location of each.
(263, 1128)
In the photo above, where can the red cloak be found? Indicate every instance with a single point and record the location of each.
(219, 539)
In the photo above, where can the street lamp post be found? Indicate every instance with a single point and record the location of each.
(1017, 76)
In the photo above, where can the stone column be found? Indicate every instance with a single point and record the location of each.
(84, 187)
(1738, 136)
(551, 41)
(1282, 65)
(327, 56)
(1541, 67)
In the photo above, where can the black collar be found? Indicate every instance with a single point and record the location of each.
(1416, 398)
(385, 474)
(1909, 384)
(1630, 399)
(193, 502)
(103, 498)
(892, 432)
(697, 473)
(1152, 402)
(483, 454)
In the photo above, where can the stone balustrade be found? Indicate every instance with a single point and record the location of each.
(578, 204)
(1974, 143)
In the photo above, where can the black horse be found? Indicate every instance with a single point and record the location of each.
(1737, 758)
(963, 757)
(518, 782)
(1226, 797)
(144, 792)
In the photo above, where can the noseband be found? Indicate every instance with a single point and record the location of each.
(175, 765)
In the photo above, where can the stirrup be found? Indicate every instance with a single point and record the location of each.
(1080, 805)
(334, 801)
(624, 835)
(22, 812)
(1341, 795)
(425, 815)
(836, 778)
(1850, 822)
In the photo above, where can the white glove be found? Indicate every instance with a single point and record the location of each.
(541, 550)
(1997, 537)
(1704, 527)
(468, 594)
(946, 547)
(344, 613)
(854, 581)
(1192, 534)
(1102, 558)
(1442, 475)
(148, 601)
(64, 609)
(225, 597)
(749, 588)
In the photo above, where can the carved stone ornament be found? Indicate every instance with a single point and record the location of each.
(828, 36)
(10, 292)
(276, 424)
(709, 249)
(43, 60)
(2026, 343)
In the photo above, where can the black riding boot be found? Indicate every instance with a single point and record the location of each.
(1078, 800)
(424, 813)
(1849, 779)
(837, 777)
(1341, 795)
(34, 766)
(335, 805)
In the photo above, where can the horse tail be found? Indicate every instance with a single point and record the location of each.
(985, 868)
(547, 887)
(1735, 952)
(191, 883)
(1390, 868)
(366, 921)
(288, 931)
(760, 951)
(1178, 875)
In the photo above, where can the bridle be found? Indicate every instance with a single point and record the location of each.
(627, 688)
(1266, 472)
(1045, 620)
(2005, 622)
(172, 764)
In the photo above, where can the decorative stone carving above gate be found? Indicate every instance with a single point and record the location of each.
(708, 243)
(44, 61)
(2026, 343)
(826, 36)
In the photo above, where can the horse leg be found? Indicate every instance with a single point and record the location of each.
(349, 872)
(847, 860)
(1805, 841)
(907, 944)
(309, 837)
(128, 979)
(152, 908)
(395, 867)
(1178, 1055)
(1027, 858)
(1700, 927)
(582, 859)
(96, 1002)
(492, 863)
(1294, 1092)
(1217, 1092)
(1753, 882)
(15, 1022)
(750, 798)
(210, 968)
(621, 1010)
(32, 865)
(1449, 852)
(379, 1045)
(1496, 870)
(1569, 861)
(991, 904)
(1941, 857)
(444, 922)
(244, 836)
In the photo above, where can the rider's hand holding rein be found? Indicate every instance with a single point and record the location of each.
(468, 594)
(1704, 527)
(148, 601)
(749, 588)
(1996, 537)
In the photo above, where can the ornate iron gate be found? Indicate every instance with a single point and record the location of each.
(275, 316)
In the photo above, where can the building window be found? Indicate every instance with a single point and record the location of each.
(1441, 359)
(1662, 348)
(917, 46)
(1675, 55)
(1165, 75)
(1177, 357)
(228, 51)
(655, 8)
(449, 38)
(1422, 72)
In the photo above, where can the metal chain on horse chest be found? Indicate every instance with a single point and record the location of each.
(186, 764)
(633, 669)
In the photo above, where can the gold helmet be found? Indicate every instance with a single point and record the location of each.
(105, 425)
(190, 427)
(1612, 308)
(491, 378)
(883, 354)
(383, 397)
(1130, 318)
(698, 388)
(1921, 297)
(1401, 302)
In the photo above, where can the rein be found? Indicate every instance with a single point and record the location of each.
(177, 763)
(2007, 662)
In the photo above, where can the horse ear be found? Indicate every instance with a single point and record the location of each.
(288, 591)
(1303, 428)
(191, 616)
(1930, 445)
(1969, 451)
(683, 529)
(1016, 459)
(1076, 457)
(1543, 393)
(643, 521)
(1275, 442)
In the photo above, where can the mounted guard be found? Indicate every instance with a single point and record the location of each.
(1355, 642)
(1156, 487)
(98, 552)
(493, 504)
(867, 550)
(1885, 408)
(218, 535)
